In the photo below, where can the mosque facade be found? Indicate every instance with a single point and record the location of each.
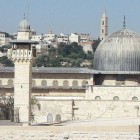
(110, 90)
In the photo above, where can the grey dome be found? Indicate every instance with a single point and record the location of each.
(24, 25)
(119, 51)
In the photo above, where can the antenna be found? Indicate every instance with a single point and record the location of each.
(27, 9)
(124, 22)
(105, 11)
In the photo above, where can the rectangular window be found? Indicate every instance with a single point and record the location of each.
(102, 22)
(102, 31)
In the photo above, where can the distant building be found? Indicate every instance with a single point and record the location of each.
(74, 37)
(33, 32)
(50, 37)
(85, 38)
(4, 38)
(62, 38)
(104, 26)
(42, 48)
(87, 46)
(37, 38)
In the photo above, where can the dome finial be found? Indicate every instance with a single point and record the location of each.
(124, 23)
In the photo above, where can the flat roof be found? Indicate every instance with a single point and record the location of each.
(51, 70)
(68, 70)
(23, 42)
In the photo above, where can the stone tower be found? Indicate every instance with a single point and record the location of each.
(22, 54)
(104, 26)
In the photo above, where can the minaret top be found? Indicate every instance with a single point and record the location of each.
(104, 14)
(24, 25)
(124, 23)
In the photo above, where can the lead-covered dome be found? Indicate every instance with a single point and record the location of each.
(24, 25)
(119, 51)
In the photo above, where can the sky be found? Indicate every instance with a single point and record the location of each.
(67, 16)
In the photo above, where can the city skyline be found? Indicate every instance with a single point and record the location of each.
(69, 16)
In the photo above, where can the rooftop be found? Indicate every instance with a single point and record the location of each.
(68, 70)
(51, 70)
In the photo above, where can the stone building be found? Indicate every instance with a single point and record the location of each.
(111, 90)
(114, 89)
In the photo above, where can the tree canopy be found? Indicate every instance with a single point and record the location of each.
(66, 55)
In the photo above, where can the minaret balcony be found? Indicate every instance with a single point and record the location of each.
(24, 53)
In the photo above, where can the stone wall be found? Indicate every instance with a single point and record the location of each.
(53, 107)
(86, 110)
(108, 92)
(69, 133)
(49, 89)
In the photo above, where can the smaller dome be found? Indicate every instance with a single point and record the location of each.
(24, 25)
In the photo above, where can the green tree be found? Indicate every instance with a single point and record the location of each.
(7, 107)
(41, 61)
(95, 44)
(6, 62)
(34, 104)
(5, 48)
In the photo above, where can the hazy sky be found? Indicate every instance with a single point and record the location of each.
(68, 16)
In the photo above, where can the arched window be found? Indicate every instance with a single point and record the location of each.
(97, 98)
(55, 83)
(135, 98)
(49, 118)
(116, 98)
(43, 83)
(33, 83)
(102, 22)
(65, 83)
(75, 83)
(58, 118)
(10, 82)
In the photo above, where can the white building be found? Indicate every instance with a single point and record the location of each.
(62, 38)
(42, 47)
(74, 37)
(4, 38)
(49, 37)
(85, 38)
(87, 46)
(37, 38)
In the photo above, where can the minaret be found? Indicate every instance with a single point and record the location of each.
(22, 54)
(104, 26)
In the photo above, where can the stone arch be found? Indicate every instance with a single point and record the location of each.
(75, 83)
(49, 118)
(58, 118)
(97, 98)
(10, 82)
(55, 83)
(65, 83)
(43, 83)
(33, 83)
(135, 98)
(116, 98)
